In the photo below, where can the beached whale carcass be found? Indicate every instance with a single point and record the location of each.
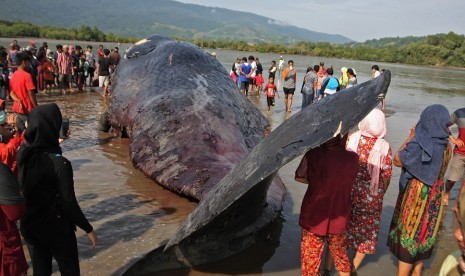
(172, 98)
(189, 125)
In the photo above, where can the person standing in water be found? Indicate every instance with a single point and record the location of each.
(423, 157)
(373, 177)
(330, 171)
(52, 211)
(290, 78)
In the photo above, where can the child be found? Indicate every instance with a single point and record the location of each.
(272, 69)
(259, 82)
(270, 92)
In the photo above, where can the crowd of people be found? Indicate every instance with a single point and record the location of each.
(318, 82)
(65, 68)
(36, 181)
(347, 182)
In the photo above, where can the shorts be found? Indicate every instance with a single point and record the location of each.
(244, 85)
(289, 90)
(252, 80)
(103, 81)
(90, 71)
(270, 101)
(456, 167)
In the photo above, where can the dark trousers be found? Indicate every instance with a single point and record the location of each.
(60, 246)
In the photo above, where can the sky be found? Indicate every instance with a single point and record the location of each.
(359, 20)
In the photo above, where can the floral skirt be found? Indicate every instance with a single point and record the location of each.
(415, 222)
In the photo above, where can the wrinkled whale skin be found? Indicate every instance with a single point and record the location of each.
(188, 123)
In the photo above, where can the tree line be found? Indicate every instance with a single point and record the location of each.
(85, 33)
(446, 50)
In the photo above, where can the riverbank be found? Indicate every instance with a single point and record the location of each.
(132, 215)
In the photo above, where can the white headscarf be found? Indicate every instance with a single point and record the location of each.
(373, 125)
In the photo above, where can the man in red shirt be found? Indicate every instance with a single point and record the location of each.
(22, 89)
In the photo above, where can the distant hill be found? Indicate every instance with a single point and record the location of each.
(140, 18)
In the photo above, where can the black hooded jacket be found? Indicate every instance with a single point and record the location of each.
(46, 177)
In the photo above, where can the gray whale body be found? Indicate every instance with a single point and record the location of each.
(193, 132)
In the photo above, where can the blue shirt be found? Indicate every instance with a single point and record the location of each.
(246, 68)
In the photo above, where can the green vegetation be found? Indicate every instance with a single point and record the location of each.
(85, 33)
(433, 50)
(142, 18)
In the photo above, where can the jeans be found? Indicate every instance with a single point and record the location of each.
(307, 97)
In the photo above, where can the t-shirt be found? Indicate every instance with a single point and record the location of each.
(458, 117)
(90, 59)
(376, 74)
(254, 69)
(21, 83)
(272, 71)
(259, 68)
(310, 80)
(289, 78)
(104, 66)
(270, 90)
(48, 71)
(246, 68)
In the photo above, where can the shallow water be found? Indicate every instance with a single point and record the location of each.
(132, 215)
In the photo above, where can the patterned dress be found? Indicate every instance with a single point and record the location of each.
(416, 218)
(362, 231)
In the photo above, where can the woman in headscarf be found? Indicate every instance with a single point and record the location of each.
(423, 157)
(373, 177)
(343, 79)
(12, 208)
(329, 171)
(46, 179)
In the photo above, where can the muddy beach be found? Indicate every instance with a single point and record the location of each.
(132, 215)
